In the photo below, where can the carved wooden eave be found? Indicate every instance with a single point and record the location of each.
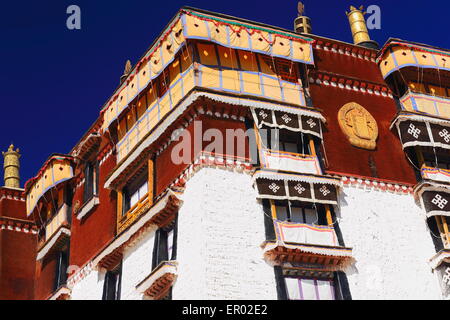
(334, 257)
(18, 225)
(63, 293)
(157, 284)
(159, 215)
(88, 146)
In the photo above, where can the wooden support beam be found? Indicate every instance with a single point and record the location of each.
(312, 147)
(329, 216)
(273, 209)
(446, 231)
(119, 207)
(151, 180)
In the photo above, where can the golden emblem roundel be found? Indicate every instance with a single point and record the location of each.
(358, 125)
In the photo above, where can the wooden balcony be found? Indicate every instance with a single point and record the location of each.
(399, 54)
(291, 162)
(157, 284)
(56, 170)
(57, 232)
(429, 104)
(302, 243)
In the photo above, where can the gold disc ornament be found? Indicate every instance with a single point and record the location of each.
(359, 126)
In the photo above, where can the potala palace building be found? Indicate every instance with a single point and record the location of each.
(311, 169)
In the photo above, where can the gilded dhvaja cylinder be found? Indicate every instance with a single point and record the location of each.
(11, 166)
(358, 25)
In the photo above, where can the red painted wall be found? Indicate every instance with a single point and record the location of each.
(389, 157)
(96, 229)
(167, 171)
(18, 258)
(45, 277)
(17, 253)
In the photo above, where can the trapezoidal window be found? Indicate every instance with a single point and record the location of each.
(286, 140)
(300, 212)
(91, 179)
(135, 191)
(112, 284)
(299, 288)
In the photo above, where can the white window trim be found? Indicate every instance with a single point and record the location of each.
(88, 206)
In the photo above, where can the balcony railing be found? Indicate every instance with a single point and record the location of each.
(419, 102)
(303, 243)
(141, 207)
(57, 232)
(211, 79)
(157, 284)
(60, 219)
(397, 55)
(293, 162)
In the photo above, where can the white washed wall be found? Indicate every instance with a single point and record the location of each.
(220, 230)
(137, 265)
(90, 287)
(391, 244)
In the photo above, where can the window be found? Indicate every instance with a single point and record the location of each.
(287, 70)
(111, 286)
(286, 140)
(309, 289)
(436, 158)
(165, 245)
(90, 181)
(61, 269)
(299, 212)
(134, 192)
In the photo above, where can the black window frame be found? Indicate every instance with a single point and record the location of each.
(160, 248)
(91, 180)
(339, 279)
(130, 189)
(62, 264)
(436, 158)
(112, 284)
(285, 136)
(289, 204)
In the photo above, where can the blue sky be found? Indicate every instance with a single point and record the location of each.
(54, 81)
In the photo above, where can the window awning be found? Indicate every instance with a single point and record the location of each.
(415, 130)
(297, 120)
(434, 197)
(307, 188)
(56, 170)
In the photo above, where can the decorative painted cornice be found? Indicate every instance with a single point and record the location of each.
(17, 225)
(345, 49)
(12, 194)
(208, 160)
(79, 274)
(347, 83)
(374, 184)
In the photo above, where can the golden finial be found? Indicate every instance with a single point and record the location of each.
(359, 28)
(11, 166)
(126, 71)
(302, 24)
(127, 67)
(300, 8)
